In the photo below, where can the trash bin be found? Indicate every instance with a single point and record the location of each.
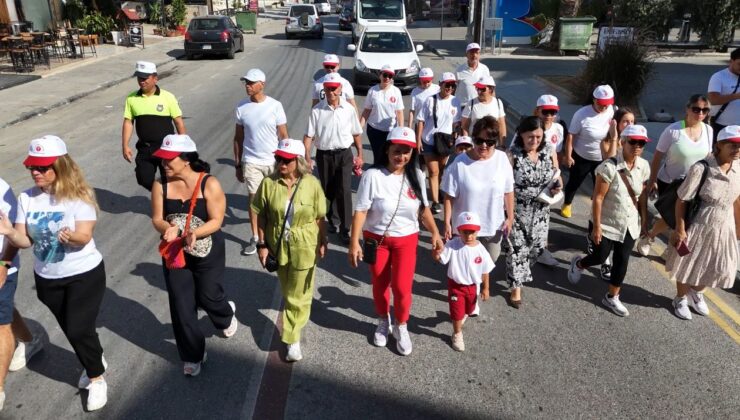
(247, 21)
(575, 33)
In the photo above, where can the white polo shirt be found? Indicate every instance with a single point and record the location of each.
(333, 128)
(466, 77)
(724, 82)
(589, 128)
(260, 121)
(448, 113)
(466, 265)
(347, 91)
(419, 96)
(384, 104)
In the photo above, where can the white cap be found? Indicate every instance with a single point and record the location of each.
(387, 69)
(548, 102)
(175, 144)
(485, 81)
(45, 150)
(463, 140)
(331, 59)
(254, 75)
(636, 132)
(289, 148)
(402, 135)
(426, 73)
(332, 80)
(145, 69)
(472, 46)
(730, 133)
(604, 95)
(447, 77)
(467, 220)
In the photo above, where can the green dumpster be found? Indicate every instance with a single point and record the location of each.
(247, 21)
(575, 33)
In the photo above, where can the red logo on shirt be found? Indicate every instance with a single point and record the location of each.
(554, 139)
(453, 111)
(410, 192)
(478, 260)
(392, 99)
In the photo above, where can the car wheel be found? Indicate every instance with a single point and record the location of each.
(287, 35)
(321, 34)
(231, 53)
(189, 56)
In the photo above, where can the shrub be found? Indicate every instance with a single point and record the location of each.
(74, 11)
(96, 23)
(715, 21)
(652, 18)
(178, 12)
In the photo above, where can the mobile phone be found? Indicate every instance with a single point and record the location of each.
(683, 249)
(556, 184)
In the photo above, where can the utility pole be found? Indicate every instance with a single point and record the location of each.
(477, 21)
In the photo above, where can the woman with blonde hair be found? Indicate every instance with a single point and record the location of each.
(57, 217)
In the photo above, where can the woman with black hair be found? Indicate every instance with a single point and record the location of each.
(198, 284)
(390, 199)
(535, 165)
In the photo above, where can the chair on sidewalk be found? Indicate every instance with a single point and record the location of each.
(89, 41)
(38, 50)
(74, 43)
(20, 55)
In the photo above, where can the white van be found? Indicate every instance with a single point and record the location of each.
(376, 12)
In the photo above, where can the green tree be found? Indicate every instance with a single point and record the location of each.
(715, 21)
(652, 18)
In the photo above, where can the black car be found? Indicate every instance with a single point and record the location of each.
(213, 35)
(345, 19)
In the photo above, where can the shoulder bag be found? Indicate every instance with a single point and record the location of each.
(271, 264)
(444, 143)
(370, 245)
(173, 252)
(666, 203)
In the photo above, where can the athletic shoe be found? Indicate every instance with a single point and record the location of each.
(97, 395)
(566, 211)
(193, 369)
(294, 352)
(643, 245)
(344, 237)
(476, 310)
(606, 271)
(547, 259)
(403, 341)
(574, 273)
(457, 341)
(436, 208)
(380, 338)
(250, 248)
(681, 308)
(84, 382)
(696, 300)
(229, 332)
(24, 352)
(615, 305)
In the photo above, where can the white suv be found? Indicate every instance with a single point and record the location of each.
(303, 19)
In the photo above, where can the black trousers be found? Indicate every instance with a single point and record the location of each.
(147, 166)
(335, 174)
(578, 172)
(75, 302)
(620, 260)
(377, 141)
(198, 285)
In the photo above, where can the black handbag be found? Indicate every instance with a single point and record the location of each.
(271, 263)
(444, 144)
(666, 202)
(370, 245)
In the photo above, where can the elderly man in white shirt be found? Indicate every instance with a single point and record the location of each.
(334, 127)
(468, 74)
(331, 66)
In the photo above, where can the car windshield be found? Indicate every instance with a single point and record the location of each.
(320, 1)
(380, 9)
(386, 42)
(299, 10)
(205, 24)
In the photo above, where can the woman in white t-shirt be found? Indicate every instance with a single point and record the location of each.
(383, 111)
(485, 104)
(419, 94)
(681, 145)
(390, 200)
(57, 218)
(622, 118)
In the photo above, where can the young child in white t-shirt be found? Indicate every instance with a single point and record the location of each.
(468, 264)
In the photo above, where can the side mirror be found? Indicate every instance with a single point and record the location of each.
(352, 47)
(419, 48)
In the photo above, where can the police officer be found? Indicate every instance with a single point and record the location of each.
(153, 110)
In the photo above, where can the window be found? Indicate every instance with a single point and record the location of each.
(381, 9)
(299, 10)
(205, 24)
(386, 42)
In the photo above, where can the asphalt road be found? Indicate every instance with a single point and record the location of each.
(562, 355)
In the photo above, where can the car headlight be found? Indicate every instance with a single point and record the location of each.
(413, 68)
(360, 66)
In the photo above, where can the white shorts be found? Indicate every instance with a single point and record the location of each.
(254, 174)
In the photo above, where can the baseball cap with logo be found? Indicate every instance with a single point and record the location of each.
(145, 69)
(173, 145)
(388, 69)
(44, 151)
(463, 140)
(730, 133)
(332, 80)
(402, 135)
(635, 132)
(331, 59)
(426, 74)
(468, 220)
(447, 77)
(289, 148)
(485, 81)
(548, 102)
(254, 75)
(604, 95)
(472, 46)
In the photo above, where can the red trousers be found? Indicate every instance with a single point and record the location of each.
(394, 269)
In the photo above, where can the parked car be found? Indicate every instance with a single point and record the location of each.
(322, 6)
(303, 19)
(345, 19)
(380, 45)
(210, 35)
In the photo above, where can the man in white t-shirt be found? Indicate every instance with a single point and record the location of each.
(724, 94)
(469, 73)
(331, 66)
(260, 124)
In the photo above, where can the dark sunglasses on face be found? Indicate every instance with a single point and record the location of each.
(386, 76)
(698, 110)
(331, 88)
(329, 67)
(280, 159)
(40, 169)
(550, 112)
(451, 85)
(479, 142)
(637, 143)
(480, 89)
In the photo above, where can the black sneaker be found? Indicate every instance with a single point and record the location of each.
(436, 208)
(606, 272)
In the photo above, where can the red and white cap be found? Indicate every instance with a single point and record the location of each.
(604, 95)
(175, 144)
(255, 75)
(289, 148)
(388, 69)
(426, 74)
(485, 81)
(472, 46)
(548, 102)
(447, 77)
(331, 59)
(730, 133)
(45, 150)
(332, 80)
(463, 140)
(402, 135)
(468, 220)
(635, 132)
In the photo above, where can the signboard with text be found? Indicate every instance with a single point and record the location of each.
(614, 35)
(136, 34)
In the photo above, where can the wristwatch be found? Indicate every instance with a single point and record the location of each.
(261, 245)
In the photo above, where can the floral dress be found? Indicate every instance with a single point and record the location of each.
(531, 216)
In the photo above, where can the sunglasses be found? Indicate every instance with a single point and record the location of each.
(549, 112)
(331, 88)
(479, 142)
(699, 110)
(329, 67)
(248, 82)
(386, 75)
(39, 169)
(637, 143)
(280, 160)
(450, 85)
(480, 89)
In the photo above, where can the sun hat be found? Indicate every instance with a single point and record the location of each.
(402, 135)
(468, 220)
(388, 69)
(730, 133)
(44, 151)
(604, 95)
(635, 132)
(548, 102)
(447, 77)
(332, 80)
(472, 46)
(173, 145)
(485, 81)
(289, 148)
(426, 74)
(330, 59)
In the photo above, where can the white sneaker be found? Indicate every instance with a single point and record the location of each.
(681, 308)
(97, 395)
(476, 310)
(380, 338)
(403, 340)
(229, 332)
(643, 245)
(547, 259)
(457, 341)
(615, 305)
(193, 369)
(574, 273)
(84, 382)
(696, 300)
(294, 352)
(24, 352)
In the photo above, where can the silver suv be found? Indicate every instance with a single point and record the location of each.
(303, 19)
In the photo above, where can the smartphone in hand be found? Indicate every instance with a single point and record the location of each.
(683, 249)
